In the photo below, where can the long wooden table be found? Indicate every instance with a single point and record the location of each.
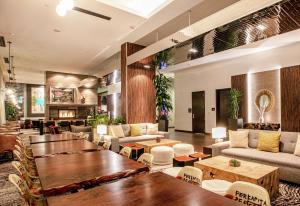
(62, 147)
(153, 189)
(52, 138)
(63, 173)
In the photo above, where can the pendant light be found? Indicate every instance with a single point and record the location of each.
(188, 31)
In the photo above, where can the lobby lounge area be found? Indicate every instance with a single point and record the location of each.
(139, 102)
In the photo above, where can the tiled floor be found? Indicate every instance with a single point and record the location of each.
(198, 140)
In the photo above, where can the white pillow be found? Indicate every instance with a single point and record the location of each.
(238, 139)
(117, 131)
(152, 129)
(297, 148)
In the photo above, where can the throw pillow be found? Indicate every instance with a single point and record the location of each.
(136, 130)
(268, 141)
(117, 131)
(126, 129)
(152, 129)
(238, 139)
(297, 148)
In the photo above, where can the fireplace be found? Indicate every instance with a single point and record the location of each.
(66, 113)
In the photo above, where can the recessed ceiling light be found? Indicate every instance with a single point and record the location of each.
(147, 66)
(261, 27)
(56, 30)
(193, 50)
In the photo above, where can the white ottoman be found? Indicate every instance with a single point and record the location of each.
(183, 149)
(173, 171)
(217, 186)
(162, 155)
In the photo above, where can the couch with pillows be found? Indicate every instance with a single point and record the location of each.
(279, 149)
(129, 133)
(84, 129)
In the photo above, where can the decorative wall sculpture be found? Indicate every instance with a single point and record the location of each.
(264, 102)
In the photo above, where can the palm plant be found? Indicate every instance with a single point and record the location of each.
(234, 97)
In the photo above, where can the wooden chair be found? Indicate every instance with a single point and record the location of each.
(32, 181)
(125, 151)
(191, 175)
(146, 159)
(28, 164)
(96, 139)
(248, 194)
(106, 145)
(30, 197)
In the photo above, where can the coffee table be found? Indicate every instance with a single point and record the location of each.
(148, 145)
(263, 175)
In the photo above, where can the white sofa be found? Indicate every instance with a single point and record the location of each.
(116, 141)
(285, 160)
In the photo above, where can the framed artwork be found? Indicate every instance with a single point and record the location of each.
(37, 100)
(62, 95)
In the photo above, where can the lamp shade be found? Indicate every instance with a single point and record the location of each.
(218, 132)
(101, 129)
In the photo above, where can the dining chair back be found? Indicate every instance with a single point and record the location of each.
(106, 145)
(146, 159)
(191, 175)
(248, 194)
(126, 151)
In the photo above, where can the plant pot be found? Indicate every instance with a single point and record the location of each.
(235, 124)
(163, 125)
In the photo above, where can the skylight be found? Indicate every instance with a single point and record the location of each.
(144, 8)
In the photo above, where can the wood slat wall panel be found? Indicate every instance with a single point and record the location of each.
(239, 82)
(290, 98)
(137, 86)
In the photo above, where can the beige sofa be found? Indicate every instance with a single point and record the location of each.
(288, 163)
(116, 141)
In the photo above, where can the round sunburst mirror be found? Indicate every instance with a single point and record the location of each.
(264, 100)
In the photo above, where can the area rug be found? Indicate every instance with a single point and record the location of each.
(288, 193)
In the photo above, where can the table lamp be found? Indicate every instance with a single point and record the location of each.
(218, 133)
(101, 130)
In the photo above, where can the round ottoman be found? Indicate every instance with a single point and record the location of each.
(162, 155)
(217, 186)
(173, 171)
(183, 149)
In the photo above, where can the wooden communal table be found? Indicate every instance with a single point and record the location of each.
(148, 145)
(263, 175)
(151, 189)
(63, 173)
(62, 147)
(52, 138)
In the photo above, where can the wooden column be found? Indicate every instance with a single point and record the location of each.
(290, 98)
(137, 90)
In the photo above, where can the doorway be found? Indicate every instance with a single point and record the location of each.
(198, 111)
(222, 107)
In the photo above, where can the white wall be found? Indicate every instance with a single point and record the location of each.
(217, 75)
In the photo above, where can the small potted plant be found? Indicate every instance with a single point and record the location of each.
(118, 120)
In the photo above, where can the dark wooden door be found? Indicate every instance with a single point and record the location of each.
(198, 109)
(222, 107)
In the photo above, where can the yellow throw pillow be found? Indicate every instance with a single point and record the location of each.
(135, 130)
(268, 141)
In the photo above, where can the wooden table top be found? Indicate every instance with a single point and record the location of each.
(62, 147)
(151, 189)
(247, 169)
(151, 143)
(62, 173)
(52, 138)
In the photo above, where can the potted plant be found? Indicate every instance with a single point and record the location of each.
(234, 122)
(162, 86)
(118, 120)
(10, 111)
(98, 119)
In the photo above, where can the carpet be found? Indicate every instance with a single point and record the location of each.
(288, 193)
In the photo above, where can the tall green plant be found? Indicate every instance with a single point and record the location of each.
(10, 111)
(163, 98)
(234, 96)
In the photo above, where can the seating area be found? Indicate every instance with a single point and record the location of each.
(150, 102)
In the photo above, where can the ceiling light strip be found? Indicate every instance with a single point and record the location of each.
(222, 17)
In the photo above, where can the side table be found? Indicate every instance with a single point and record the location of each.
(200, 155)
(182, 161)
(136, 150)
(207, 150)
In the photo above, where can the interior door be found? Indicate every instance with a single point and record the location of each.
(198, 111)
(222, 107)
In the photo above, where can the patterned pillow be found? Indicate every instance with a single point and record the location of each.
(152, 129)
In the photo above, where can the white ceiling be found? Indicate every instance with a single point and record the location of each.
(82, 42)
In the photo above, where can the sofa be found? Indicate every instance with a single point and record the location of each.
(128, 138)
(84, 129)
(287, 162)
